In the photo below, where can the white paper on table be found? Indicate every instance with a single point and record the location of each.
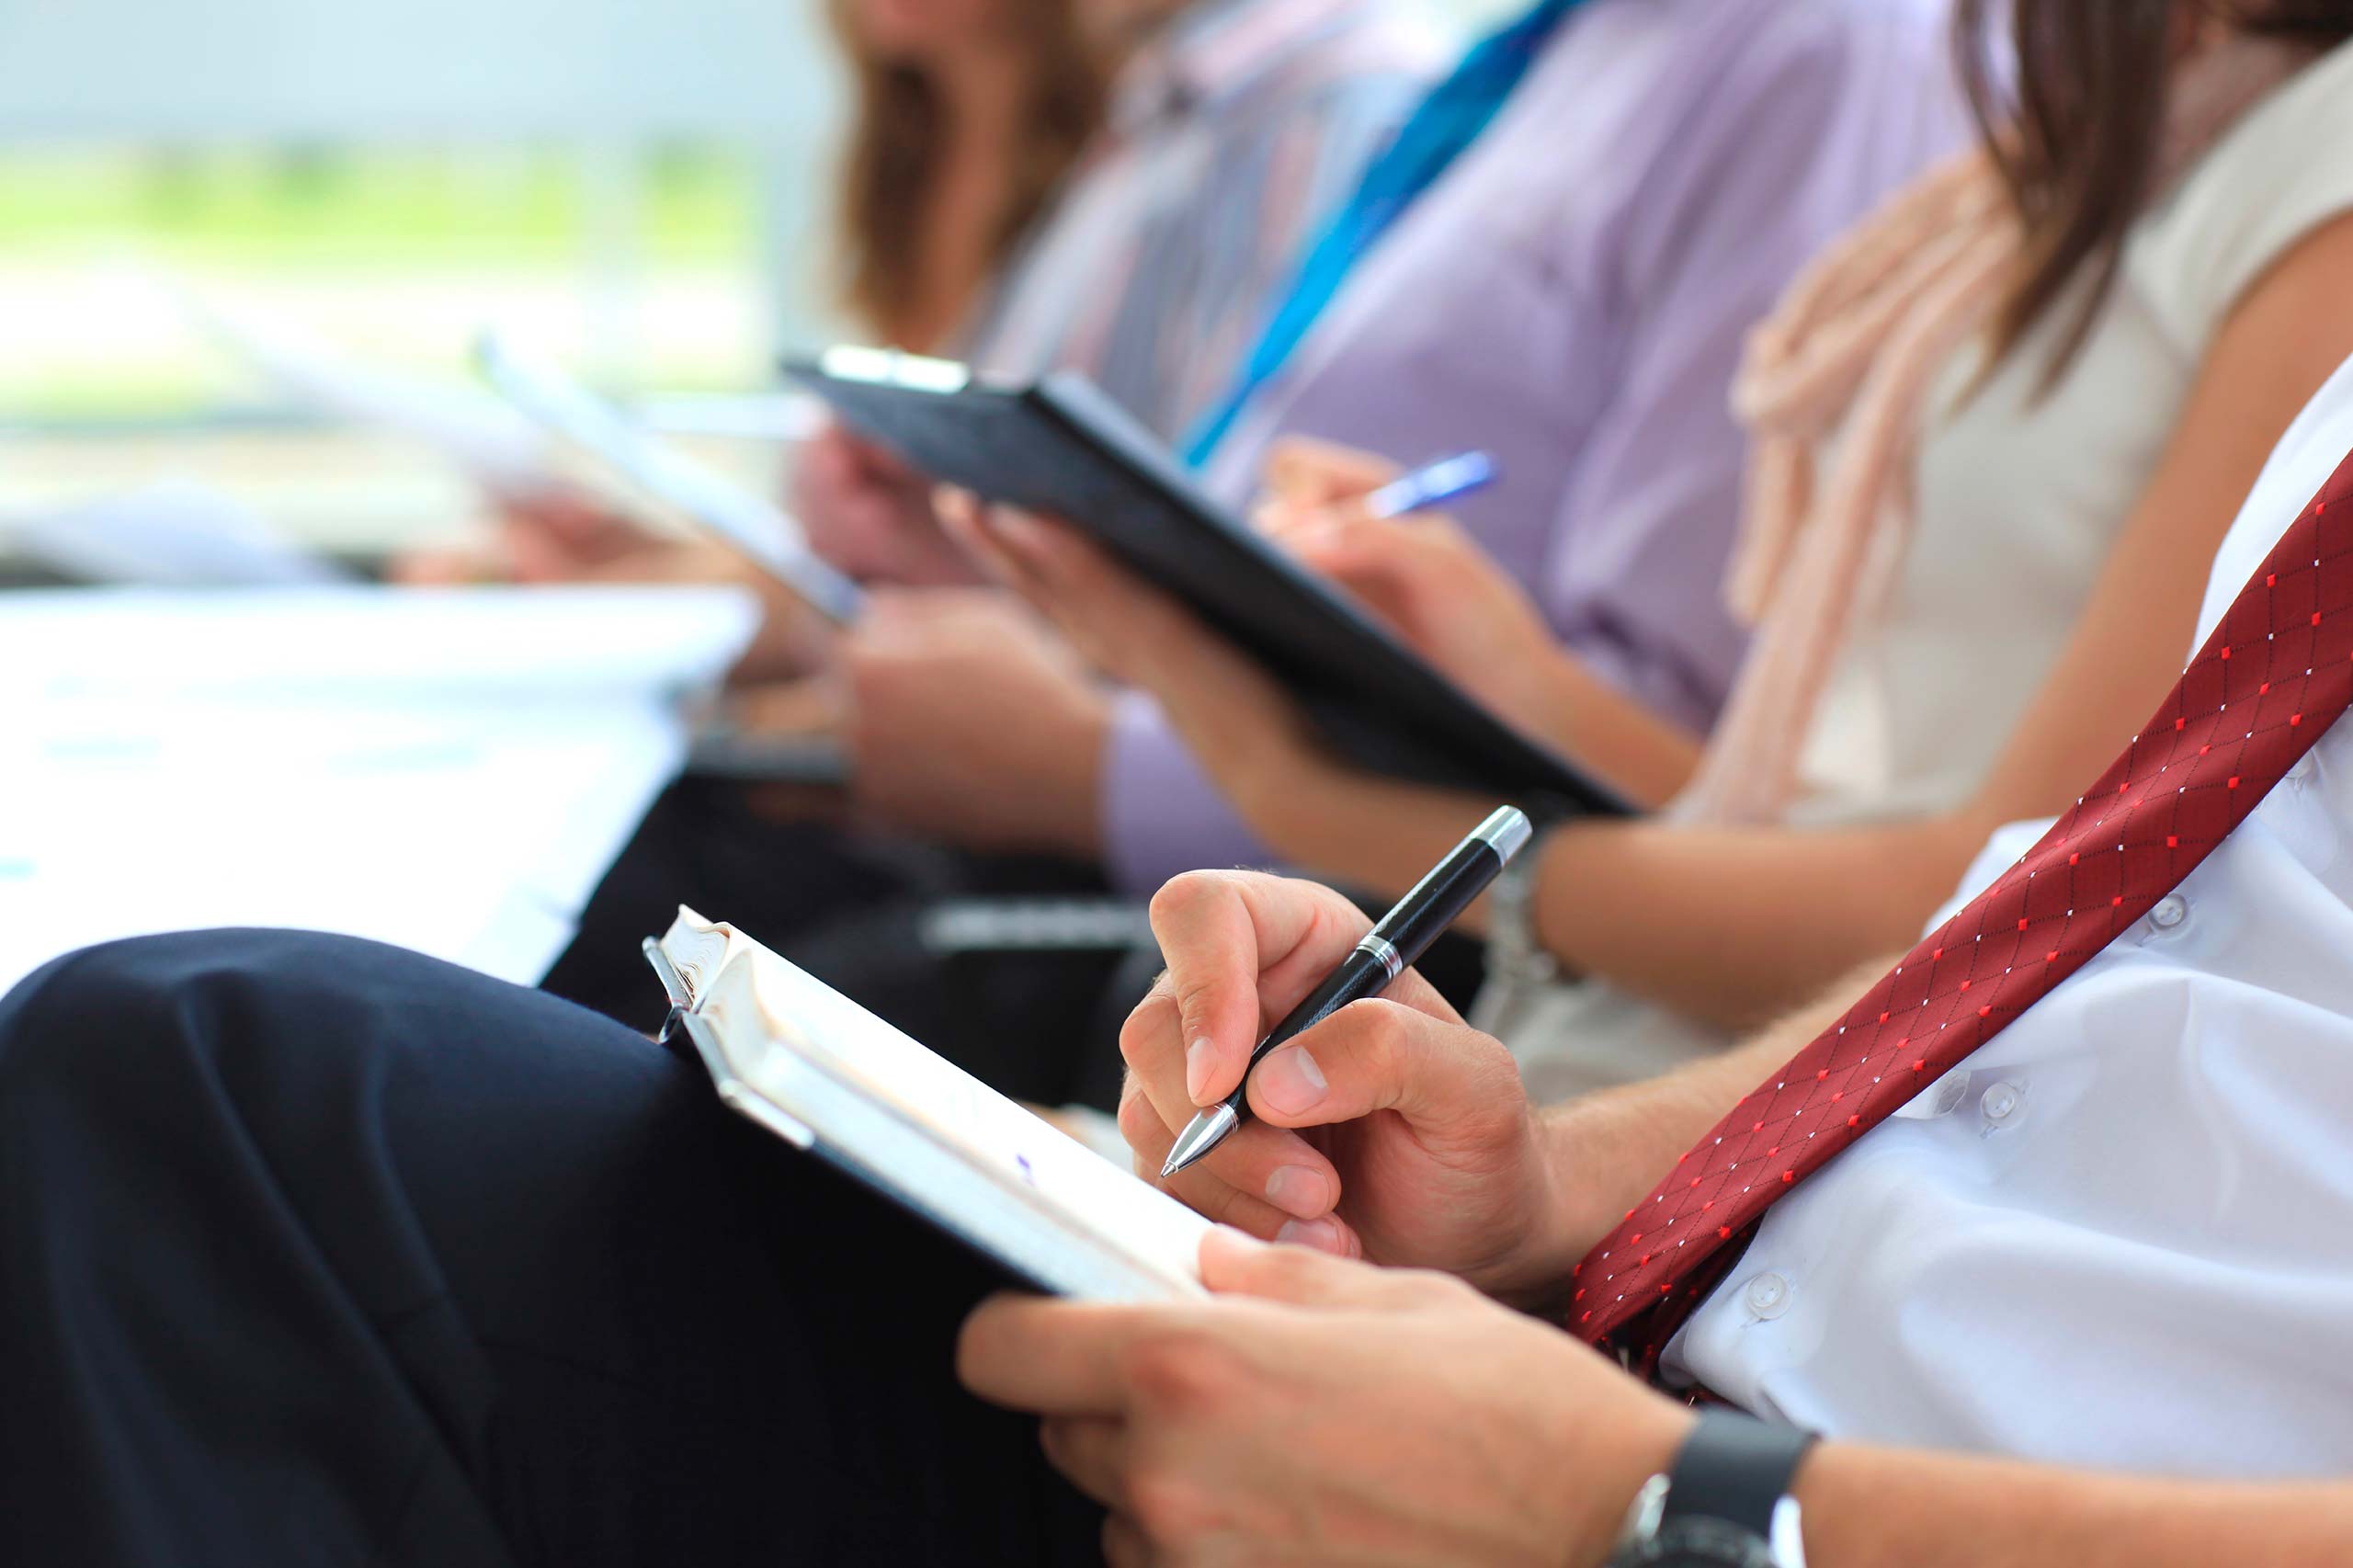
(338, 645)
(473, 835)
(472, 825)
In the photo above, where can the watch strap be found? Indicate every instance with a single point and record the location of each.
(1735, 1468)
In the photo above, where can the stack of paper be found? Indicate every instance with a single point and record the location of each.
(451, 772)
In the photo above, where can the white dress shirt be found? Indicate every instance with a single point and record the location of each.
(2121, 1232)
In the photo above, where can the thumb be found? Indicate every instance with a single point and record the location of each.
(1450, 1081)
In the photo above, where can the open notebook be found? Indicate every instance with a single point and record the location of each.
(821, 1072)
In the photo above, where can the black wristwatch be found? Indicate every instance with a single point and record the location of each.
(1727, 1503)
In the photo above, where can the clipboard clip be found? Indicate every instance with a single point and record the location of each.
(674, 985)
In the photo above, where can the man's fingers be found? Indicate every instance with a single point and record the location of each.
(1155, 1106)
(1047, 1357)
(1443, 1077)
(1155, 1103)
(1258, 1180)
(1242, 948)
(1091, 1452)
(1216, 948)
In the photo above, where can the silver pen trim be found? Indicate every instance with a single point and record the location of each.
(1204, 1133)
(1391, 961)
(1507, 832)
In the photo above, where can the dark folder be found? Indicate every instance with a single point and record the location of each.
(1062, 446)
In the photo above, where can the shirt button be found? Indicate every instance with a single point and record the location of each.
(2002, 1102)
(2302, 768)
(2170, 911)
(1767, 1295)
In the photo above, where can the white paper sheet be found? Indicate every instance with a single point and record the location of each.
(469, 818)
(343, 644)
(173, 533)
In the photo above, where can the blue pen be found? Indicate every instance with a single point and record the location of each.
(1432, 485)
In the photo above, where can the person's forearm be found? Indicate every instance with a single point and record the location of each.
(1647, 758)
(1866, 1507)
(1733, 924)
(1728, 925)
(1608, 1149)
(1356, 829)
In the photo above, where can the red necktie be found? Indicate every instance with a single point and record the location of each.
(2274, 676)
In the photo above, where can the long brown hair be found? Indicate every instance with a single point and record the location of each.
(896, 152)
(2079, 139)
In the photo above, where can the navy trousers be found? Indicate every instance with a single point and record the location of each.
(315, 1252)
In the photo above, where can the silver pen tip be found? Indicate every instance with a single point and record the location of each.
(1204, 1133)
(1507, 832)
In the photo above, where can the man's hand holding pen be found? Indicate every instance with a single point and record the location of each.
(1392, 1133)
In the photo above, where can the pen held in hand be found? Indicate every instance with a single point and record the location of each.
(1391, 948)
(1433, 485)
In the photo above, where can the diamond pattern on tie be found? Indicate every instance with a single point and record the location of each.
(2274, 676)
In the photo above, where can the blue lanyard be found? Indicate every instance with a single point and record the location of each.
(1447, 122)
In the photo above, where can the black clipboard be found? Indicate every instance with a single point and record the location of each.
(1062, 446)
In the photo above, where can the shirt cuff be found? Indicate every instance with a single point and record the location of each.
(1161, 814)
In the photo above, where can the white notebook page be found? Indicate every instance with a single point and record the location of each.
(751, 996)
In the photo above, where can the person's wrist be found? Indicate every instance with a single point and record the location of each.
(1602, 1478)
(1596, 1159)
(1529, 1272)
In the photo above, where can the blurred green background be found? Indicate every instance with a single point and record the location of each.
(330, 207)
(349, 243)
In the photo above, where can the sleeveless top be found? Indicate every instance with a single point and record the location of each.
(2020, 500)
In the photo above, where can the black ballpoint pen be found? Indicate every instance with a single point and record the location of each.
(1387, 952)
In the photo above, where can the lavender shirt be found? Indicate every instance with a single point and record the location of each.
(1572, 297)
